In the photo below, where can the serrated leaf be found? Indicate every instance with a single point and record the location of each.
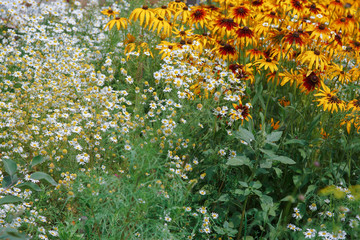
(10, 199)
(283, 159)
(274, 136)
(41, 175)
(245, 135)
(239, 161)
(10, 166)
(31, 185)
(37, 160)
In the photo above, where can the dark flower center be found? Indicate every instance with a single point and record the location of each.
(334, 99)
(322, 26)
(160, 18)
(313, 6)
(110, 11)
(198, 13)
(182, 42)
(314, 78)
(296, 35)
(164, 7)
(185, 8)
(317, 52)
(343, 20)
(349, 16)
(245, 28)
(182, 33)
(177, 1)
(268, 59)
(272, 13)
(145, 7)
(357, 103)
(342, 72)
(189, 41)
(357, 44)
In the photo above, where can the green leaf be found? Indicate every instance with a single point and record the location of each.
(256, 185)
(6, 181)
(278, 171)
(299, 141)
(31, 185)
(310, 189)
(283, 159)
(224, 198)
(41, 175)
(266, 164)
(288, 198)
(274, 136)
(270, 153)
(13, 234)
(37, 160)
(10, 199)
(10, 166)
(239, 161)
(243, 184)
(245, 135)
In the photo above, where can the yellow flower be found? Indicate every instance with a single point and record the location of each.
(313, 58)
(177, 5)
(160, 24)
(109, 12)
(164, 12)
(290, 77)
(329, 100)
(120, 22)
(267, 63)
(144, 14)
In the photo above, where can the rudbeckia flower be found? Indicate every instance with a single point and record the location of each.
(319, 31)
(164, 12)
(329, 100)
(241, 112)
(240, 14)
(177, 5)
(226, 51)
(310, 81)
(267, 63)
(254, 54)
(245, 36)
(120, 22)
(160, 24)
(292, 77)
(184, 13)
(337, 71)
(144, 14)
(313, 59)
(181, 33)
(224, 26)
(354, 105)
(198, 16)
(109, 12)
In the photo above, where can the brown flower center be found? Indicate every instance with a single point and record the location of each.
(145, 7)
(268, 59)
(314, 78)
(317, 52)
(164, 7)
(296, 34)
(343, 20)
(322, 26)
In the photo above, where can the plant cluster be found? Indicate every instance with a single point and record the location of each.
(169, 121)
